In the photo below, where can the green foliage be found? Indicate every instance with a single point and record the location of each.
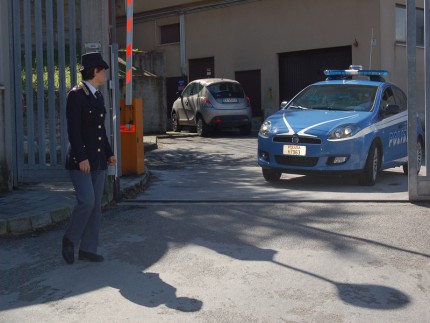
(56, 74)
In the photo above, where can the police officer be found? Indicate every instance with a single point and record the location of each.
(88, 155)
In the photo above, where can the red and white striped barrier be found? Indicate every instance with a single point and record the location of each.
(129, 54)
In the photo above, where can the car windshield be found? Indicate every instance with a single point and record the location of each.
(344, 97)
(226, 90)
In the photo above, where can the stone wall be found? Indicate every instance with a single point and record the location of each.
(149, 84)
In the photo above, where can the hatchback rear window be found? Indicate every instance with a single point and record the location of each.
(226, 90)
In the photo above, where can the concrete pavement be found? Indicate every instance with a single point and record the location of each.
(37, 206)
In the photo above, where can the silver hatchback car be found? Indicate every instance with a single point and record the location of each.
(212, 104)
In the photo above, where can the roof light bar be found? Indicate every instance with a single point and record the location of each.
(355, 72)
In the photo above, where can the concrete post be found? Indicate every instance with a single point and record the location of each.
(95, 30)
(95, 37)
(412, 99)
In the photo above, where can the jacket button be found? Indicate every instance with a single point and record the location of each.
(98, 149)
(100, 126)
(100, 138)
(101, 115)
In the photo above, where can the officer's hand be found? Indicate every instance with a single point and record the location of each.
(112, 160)
(84, 166)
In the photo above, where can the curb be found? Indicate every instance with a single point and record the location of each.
(40, 220)
(34, 222)
(24, 224)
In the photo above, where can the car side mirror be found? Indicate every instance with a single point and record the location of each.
(283, 104)
(178, 94)
(391, 109)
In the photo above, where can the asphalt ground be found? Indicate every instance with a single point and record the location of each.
(37, 206)
(215, 253)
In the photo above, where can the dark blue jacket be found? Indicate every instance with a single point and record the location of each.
(86, 129)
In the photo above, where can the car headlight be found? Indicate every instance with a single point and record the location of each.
(265, 128)
(344, 131)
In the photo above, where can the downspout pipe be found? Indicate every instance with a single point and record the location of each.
(182, 43)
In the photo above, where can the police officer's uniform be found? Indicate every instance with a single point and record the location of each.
(86, 130)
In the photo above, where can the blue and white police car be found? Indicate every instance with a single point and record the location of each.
(354, 122)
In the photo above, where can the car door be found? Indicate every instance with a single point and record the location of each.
(184, 109)
(393, 127)
(402, 145)
(194, 101)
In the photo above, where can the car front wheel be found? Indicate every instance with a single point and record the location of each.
(371, 169)
(271, 175)
(175, 123)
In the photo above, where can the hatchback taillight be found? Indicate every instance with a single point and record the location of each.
(248, 101)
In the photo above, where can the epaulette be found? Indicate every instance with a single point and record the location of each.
(80, 86)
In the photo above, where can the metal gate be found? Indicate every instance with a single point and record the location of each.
(45, 54)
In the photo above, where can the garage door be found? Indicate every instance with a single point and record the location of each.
(251, 82)
(201, 68)
(301, 68)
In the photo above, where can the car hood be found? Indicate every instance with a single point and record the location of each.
(313, 122)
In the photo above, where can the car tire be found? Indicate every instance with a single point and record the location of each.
(271, 175)
(175, 123)
(419, 158)
(202, 128)
(245, 130)
(371, 168)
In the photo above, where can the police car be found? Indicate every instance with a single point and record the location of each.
(354, 122)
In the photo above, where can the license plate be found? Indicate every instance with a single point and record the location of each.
(230, 100)
(294, 150)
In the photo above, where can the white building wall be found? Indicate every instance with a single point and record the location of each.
(250, 36)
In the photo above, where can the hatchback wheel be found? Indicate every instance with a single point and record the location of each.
(419, 159)
(202, 127)
(271, 175)
(371, 169)
(175, 123)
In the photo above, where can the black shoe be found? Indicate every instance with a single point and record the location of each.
(83, 255)
(68, 251)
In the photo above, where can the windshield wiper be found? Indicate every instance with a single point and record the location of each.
(324, 108)
(299, 107)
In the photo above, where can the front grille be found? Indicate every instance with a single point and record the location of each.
(302, 140)
(296, 161)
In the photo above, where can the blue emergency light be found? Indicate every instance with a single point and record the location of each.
(354, 70)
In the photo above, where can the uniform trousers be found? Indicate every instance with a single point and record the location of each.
(84, 225)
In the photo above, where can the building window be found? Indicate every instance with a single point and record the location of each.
(170, 34)
(401, 25)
